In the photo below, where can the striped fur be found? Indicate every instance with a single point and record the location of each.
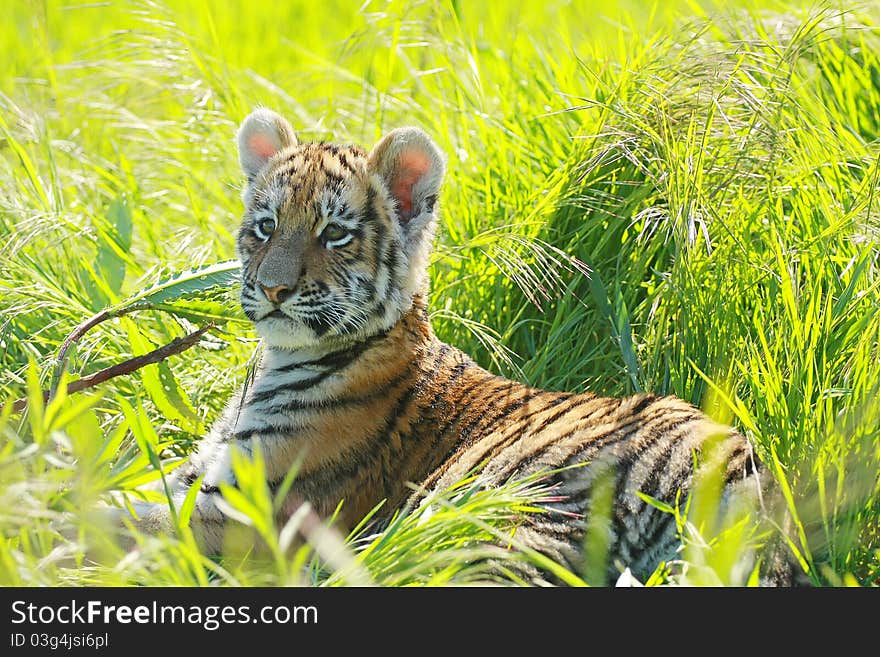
(356, 388)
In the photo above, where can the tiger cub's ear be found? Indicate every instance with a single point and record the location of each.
(261, 135)
(412, 167)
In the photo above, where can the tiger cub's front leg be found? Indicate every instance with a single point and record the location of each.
(208, 467)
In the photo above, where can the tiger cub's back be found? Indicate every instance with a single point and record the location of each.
(641, 444)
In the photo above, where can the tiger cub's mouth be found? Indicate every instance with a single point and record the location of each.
(276, 314)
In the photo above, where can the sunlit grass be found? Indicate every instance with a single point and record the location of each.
(676, 199)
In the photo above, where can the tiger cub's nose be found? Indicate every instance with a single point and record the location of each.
(278, 294)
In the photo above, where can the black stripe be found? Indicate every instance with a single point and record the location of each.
(534, 393)
(391, 259)
(463, 444)
(247, 232)
(333, 180)
(515, 431)
(369, 214)
(462, 399)
(615, 435)
(189, 478)
(736, 458)
(463, 407)
(296, 386)
(308, 304)
(380, 245)
(334, 361)
(319, 325)
(425, 415)
(426, 375)
(621, 432)
(430, 457)
(658, 527)
(560, 413)
(525, 464)
(554, 529)
(649, 486)
(342, 156)
(751, 464)
(367, 285)
(643, 403)
(338, 359)
(621, 512)
(296, 405)
(498, 417)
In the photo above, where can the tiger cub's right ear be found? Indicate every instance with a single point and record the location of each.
(261, 135)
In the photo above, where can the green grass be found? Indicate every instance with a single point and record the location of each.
(714, 170)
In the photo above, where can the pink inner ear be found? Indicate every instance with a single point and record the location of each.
(412, 165)
(262, 146)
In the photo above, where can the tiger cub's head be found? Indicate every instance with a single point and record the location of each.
(334, 241)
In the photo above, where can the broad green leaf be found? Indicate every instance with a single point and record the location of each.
(191, 283)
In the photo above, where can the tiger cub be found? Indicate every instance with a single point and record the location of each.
(355, 387)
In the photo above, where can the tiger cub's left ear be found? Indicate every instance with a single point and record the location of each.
(411, 166)
(261, 135)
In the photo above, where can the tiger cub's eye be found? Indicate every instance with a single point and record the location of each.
(335, 235)
(264, 228)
